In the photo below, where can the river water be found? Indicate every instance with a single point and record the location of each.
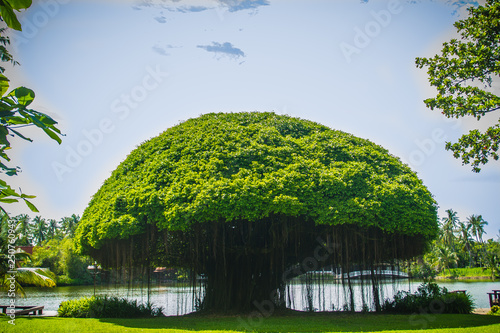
(176, 299)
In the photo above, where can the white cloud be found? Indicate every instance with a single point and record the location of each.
(223, 49)
(194, 6)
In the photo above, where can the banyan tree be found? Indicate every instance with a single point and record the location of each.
(250, 200)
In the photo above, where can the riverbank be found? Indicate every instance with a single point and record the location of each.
(481, 311)
(464, 278)
(471, 274)
(291, 321)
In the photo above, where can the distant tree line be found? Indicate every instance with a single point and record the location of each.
(53, 246)
(460, 244)
(37, 231)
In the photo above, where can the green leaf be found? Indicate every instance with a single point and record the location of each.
(18, 121)
(43, 118)
(6, 114)
(4, 211)
(3, 184)
(20, 135)
(52, 135)
(19, 4)
(28, 196)
(8, 200)
(8, 103)
(9, 17)
(23, 95)
(4, 84)
(8, 191)
(8, 171)
(32, 118)
(3, 136)
(31, 206)
(3, 154)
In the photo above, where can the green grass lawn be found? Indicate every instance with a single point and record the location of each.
(292, 322)
(475, 272)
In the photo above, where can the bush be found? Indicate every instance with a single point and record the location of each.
(429, 297)
(423, 271)
(495, 310)
(106, 307)
(64, 280)
(61, 258)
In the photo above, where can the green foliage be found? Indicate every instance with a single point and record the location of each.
(69, 224)
(60, 257)
(445, 257)
(5, 56)
(492, 257)
(35, 276)
(477, 272)
(8, 258)
(495, 310)
(106, 307)
(24, 230)
(48, 256)
(15, 114)
(252, 166)
(40, 230)
(53, 261)
(430, 298)
(7, 8)
(460, 251)
(422, 271)
(448, 226)
(14, 109)
(463, 74)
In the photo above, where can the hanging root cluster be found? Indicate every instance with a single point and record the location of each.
(242, 264)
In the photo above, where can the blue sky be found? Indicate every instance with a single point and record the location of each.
(116, 73)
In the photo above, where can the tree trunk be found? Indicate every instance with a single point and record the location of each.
(244, 286)
(244, 263)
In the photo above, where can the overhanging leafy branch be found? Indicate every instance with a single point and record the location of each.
(14, 108)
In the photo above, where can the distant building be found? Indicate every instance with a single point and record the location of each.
(27, 249)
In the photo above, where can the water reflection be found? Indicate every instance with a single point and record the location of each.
(176, 298)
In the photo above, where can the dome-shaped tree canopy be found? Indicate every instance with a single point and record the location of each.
(255, 169)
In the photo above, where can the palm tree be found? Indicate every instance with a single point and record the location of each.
(40, 277)
(465, 238)
(477, 227)
(40, 230)
(478, 224)
(491, 262)
(51, 229)
(449, 224)
(24, 230)
(69, 224)
(445, 257)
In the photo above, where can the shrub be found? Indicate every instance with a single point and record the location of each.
(495, 310)
(423, 271)
(60, 257)
(429, 297)
(106, 307)
(65, 280)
